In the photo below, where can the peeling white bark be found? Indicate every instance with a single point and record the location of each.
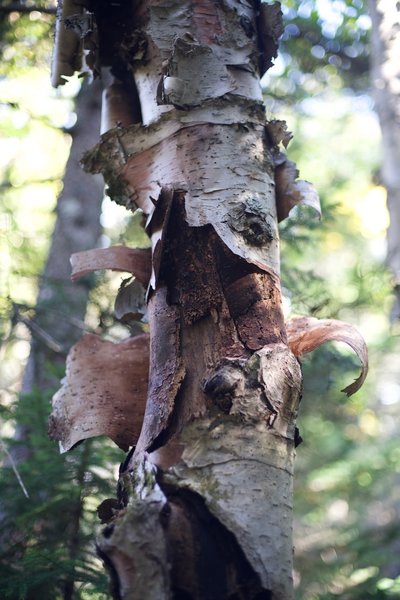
(232, 187)
(220, 60)
(67, 49)
(117, 258)
(203, 165)
(211, 79)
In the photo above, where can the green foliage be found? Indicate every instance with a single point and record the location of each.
(347, 471)
(47, 539)
(324, 45)
(346, 487)
(26, 39)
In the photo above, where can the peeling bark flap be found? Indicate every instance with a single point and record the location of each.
(305, 334)
(104, 392)
(130, 303)
(117, 258)
(166, 368)
(218, 190)
(270, 27)
(289, 192)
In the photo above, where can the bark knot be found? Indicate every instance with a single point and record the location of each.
(261, 390)
(223, 384)
(250, 220)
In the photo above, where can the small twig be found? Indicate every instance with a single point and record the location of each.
(41, 334)
(14, 468)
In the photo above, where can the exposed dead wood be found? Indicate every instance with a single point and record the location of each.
(270, 28)
(167, 370)
(254, 303)
(156, 227)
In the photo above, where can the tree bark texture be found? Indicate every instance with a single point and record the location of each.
(385, 71)
(205, 499)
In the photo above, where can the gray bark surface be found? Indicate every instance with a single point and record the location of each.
(385, 72)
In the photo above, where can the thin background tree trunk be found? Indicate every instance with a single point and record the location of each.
(385, 72)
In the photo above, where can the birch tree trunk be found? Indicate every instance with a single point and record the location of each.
(385, 72)
(206, 497)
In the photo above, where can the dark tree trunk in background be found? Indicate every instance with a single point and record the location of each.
(61, 305)
(385, 71)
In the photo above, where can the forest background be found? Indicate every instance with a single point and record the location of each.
(347, 496)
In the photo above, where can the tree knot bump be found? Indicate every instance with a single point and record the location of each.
(237, 388)
(223, 384)
(250, 220)
(262, 390)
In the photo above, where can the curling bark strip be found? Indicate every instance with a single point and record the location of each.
(117, 258)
